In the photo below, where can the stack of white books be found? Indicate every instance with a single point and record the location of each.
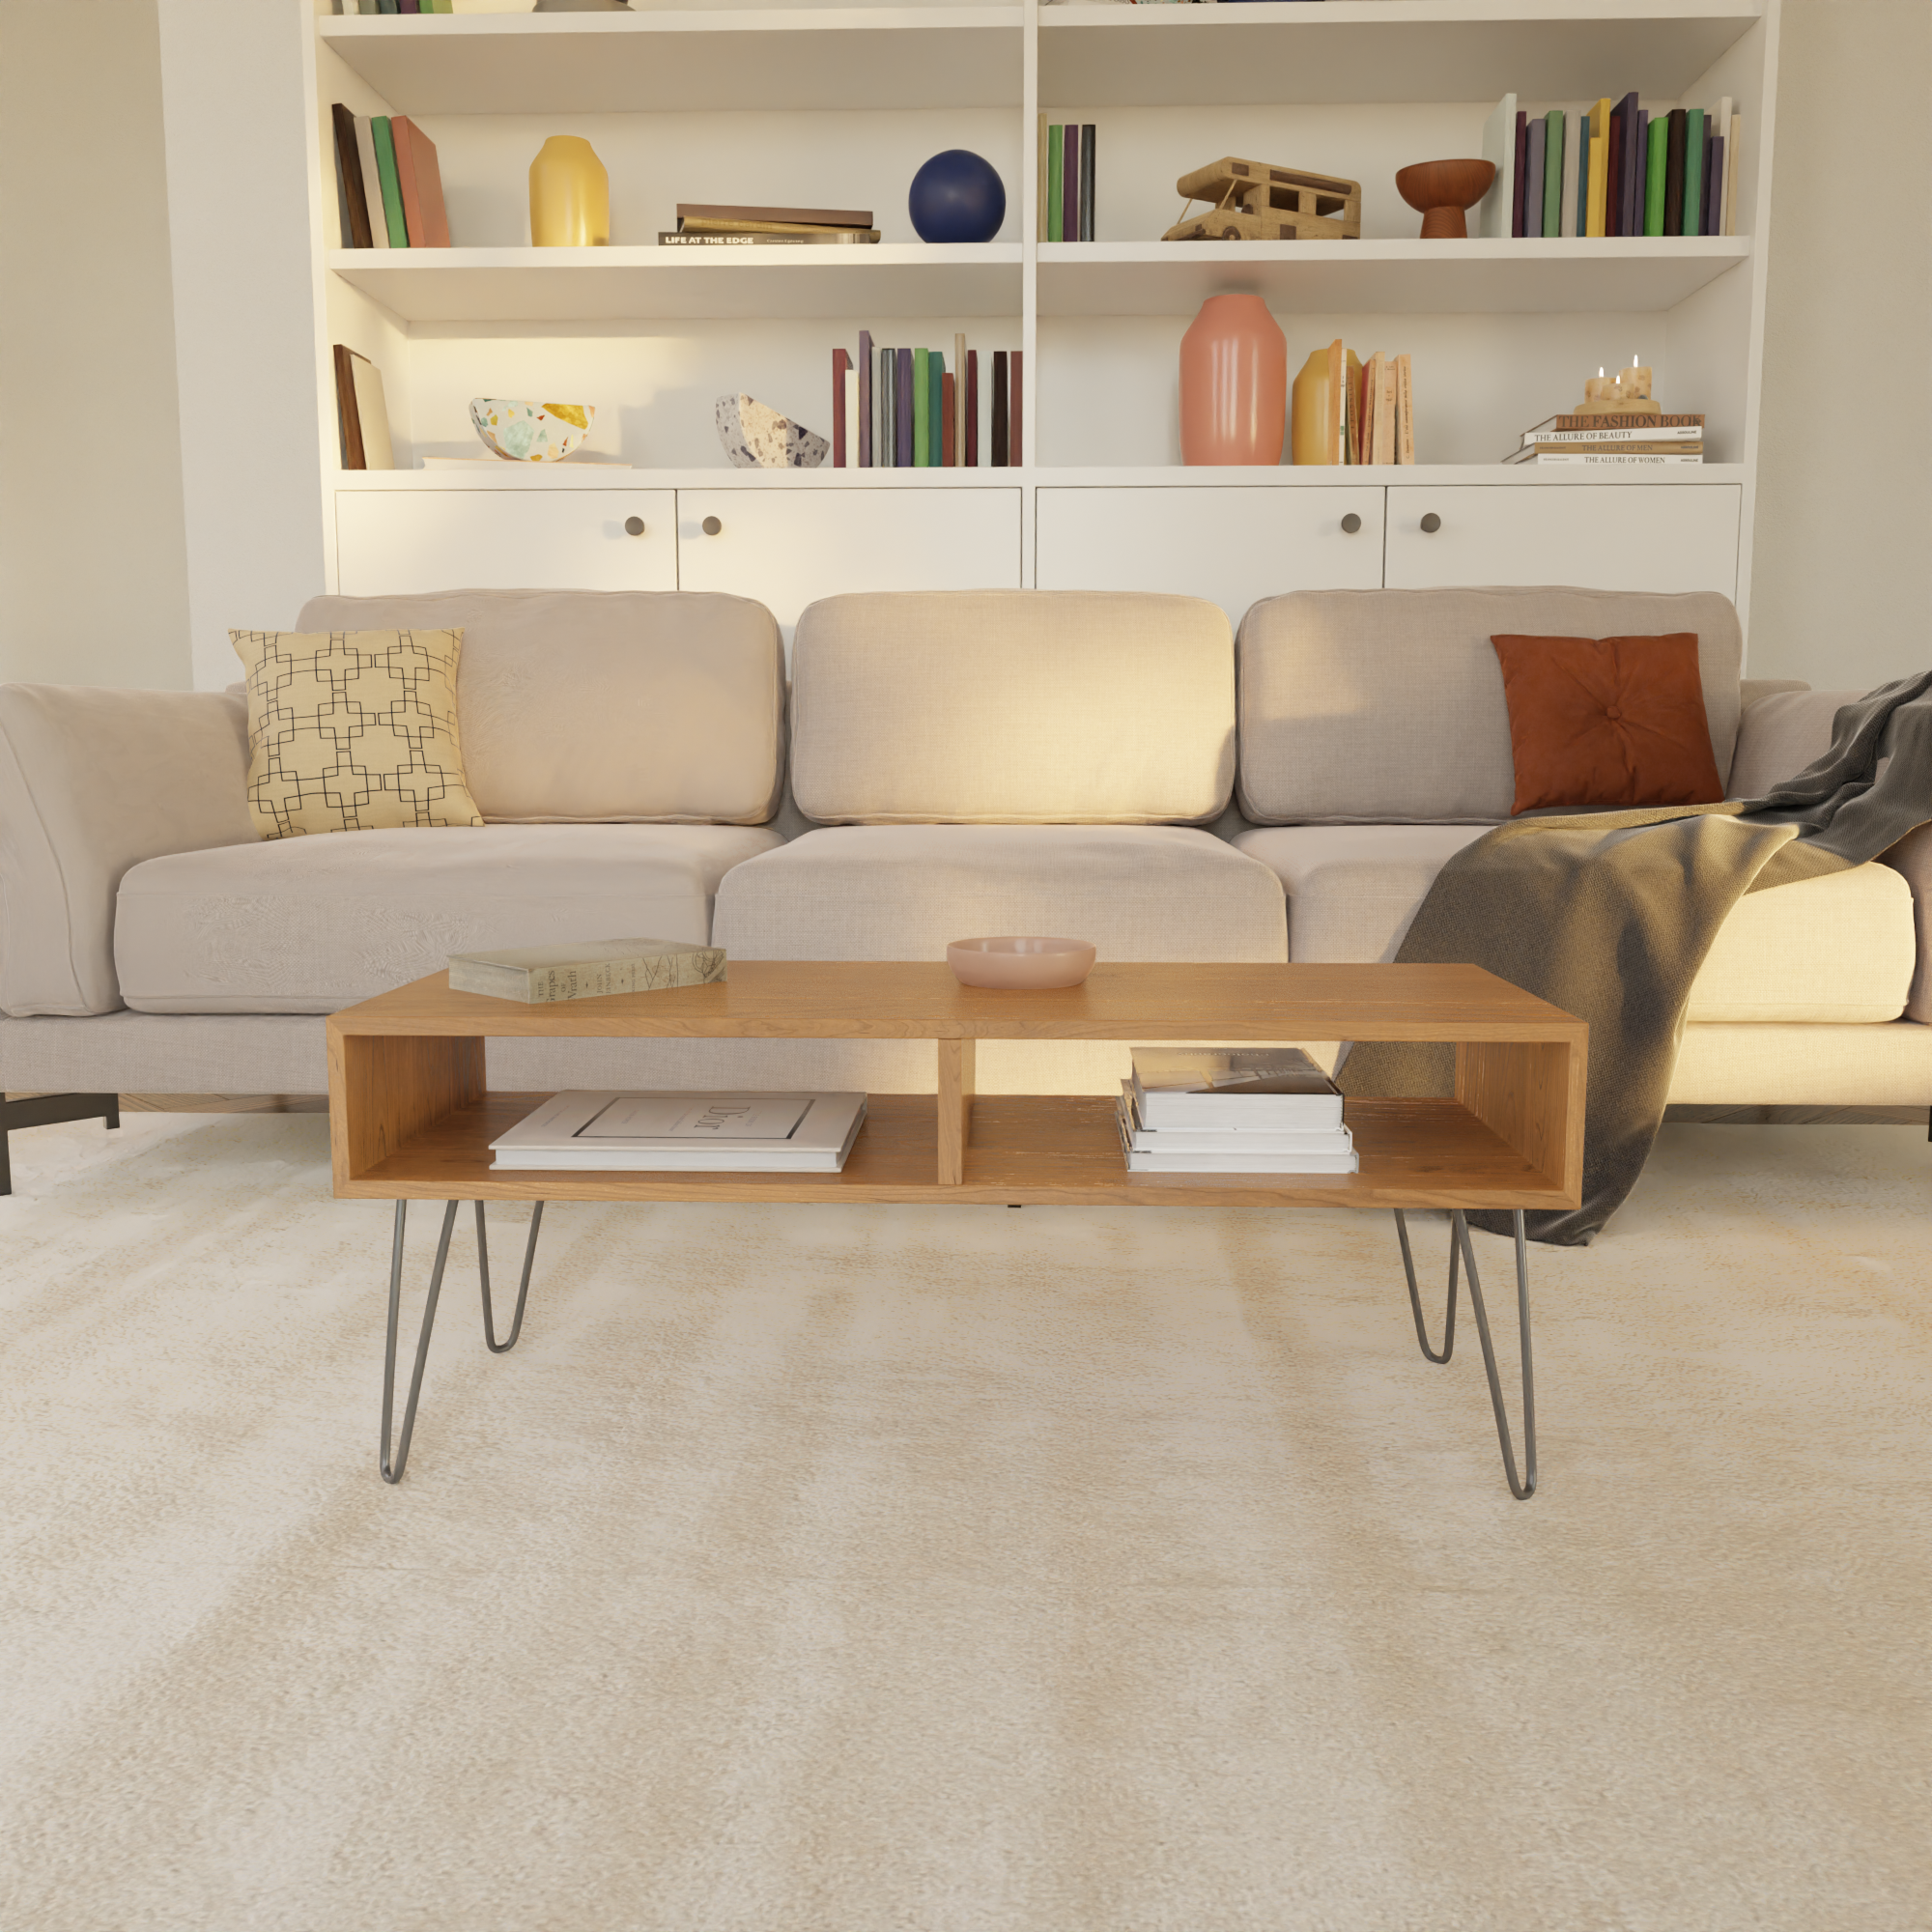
(681, 1133)
(1232, 1110)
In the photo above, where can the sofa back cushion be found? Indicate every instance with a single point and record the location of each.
(1003, 707)
(636, 707)
(1363, 707)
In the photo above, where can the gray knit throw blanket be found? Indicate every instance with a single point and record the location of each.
(1608, 915)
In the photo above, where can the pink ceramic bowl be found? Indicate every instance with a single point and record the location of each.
(1033, 963)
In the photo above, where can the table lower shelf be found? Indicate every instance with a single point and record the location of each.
(1023, 1149)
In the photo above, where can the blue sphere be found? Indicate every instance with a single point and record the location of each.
(957, 197)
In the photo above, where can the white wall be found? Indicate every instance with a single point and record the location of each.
(92, 564)
(232, 100)
(1841, 580)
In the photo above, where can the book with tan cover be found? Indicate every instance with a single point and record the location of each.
(585, 968)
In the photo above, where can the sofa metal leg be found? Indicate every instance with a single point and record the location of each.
(46, 1110)
(393, 1465)
(1459, 1239)
(509, 1342)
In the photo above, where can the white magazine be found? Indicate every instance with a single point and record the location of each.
(673, 1133)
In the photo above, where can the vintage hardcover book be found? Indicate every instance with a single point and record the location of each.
(424, 182)
(960, 399)
(1532, 189)
(349, 160)
(392, 193)
(372, 183)
(1055, 182)
(998, 430)
(585, 968)
(1553, 172)
(1087, 143)
(1372, 428)
(348, 429)
(1518, 174)
(1694, 169)
(842, 372)
(1069, 170)
(1387, 450)
(810, 218)
(863, 458)
(971, 459)
(1016, 409)
(902, 410)
(922, 409)
(686, 1132)
(1404, 410)
(1673, 174)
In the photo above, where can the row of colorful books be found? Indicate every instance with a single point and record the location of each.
(703, 224)
(404, 7)
(903, 408)
(389, 189)
(1627, 172)
(1065, 182)
(1632, 440)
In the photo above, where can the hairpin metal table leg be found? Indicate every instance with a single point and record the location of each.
(509, 1342)
(392, 1470)
(1458, 1240)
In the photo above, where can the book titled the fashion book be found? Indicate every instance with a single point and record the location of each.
(712, 1133)
(589, 969)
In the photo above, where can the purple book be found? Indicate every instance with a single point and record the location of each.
(1521, 172)
(902, 410)
(1714, 185)
(1070, 185)
(1640, 185)
(1627, 172)
(862, 456)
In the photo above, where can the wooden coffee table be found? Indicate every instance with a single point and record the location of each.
(412, 1116)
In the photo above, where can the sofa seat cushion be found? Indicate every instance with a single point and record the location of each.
(901, 891)
(306, 926)
(1838, 949)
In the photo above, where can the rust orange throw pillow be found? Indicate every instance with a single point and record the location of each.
(1607, 721)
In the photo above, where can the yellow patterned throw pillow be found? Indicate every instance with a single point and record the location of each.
(352, 730)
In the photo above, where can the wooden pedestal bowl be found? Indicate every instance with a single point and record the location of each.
(1441, 190)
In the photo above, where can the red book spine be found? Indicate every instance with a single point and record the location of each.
(971, 461)
(948, 455)
(401, 133)
(1016, 417)
(429, 188)
(841, 364)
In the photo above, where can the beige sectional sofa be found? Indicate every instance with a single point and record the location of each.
(1105, 765)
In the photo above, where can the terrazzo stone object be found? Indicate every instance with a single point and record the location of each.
(756, 437)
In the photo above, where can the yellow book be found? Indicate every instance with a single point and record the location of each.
(1600, 162)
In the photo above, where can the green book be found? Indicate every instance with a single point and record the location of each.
(935, 442)
(1056, 182)
(1582, 173)
(1553, 172)
(392, 191)
(922, 408)
(1693, 170)
(1656, 165)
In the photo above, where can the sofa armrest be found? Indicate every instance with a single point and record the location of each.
(1780, 734)
(1913, 856)
(93, 781)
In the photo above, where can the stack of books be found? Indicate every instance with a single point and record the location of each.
(1066, 174)
(686, 1133)
(1615, 168)
(389, 188)
(703, 224)
(1631, 440)
(1232, 1109)
(903, 408)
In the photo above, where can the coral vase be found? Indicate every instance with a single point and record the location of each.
(1234, 384)
(570, 195)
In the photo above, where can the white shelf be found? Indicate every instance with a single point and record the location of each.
(682, 61)
(1634, 274)
(883, 279)
(1383, 50)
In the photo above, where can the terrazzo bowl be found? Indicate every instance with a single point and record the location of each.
(1034, 965)
(530, 432)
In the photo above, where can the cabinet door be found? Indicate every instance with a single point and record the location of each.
(389, 543)
(1599, 536)
(1234, 544)
(787, 548)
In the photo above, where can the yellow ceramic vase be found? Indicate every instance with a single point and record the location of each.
(1314, 410)
(570, 195)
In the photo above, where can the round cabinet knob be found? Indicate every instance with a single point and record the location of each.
(1431, 524)
(1352, 522)
(634, 526)
(711, 527)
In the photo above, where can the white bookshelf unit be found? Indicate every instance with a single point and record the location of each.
(839, 106)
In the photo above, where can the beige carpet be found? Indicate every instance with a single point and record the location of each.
(931, 1571)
